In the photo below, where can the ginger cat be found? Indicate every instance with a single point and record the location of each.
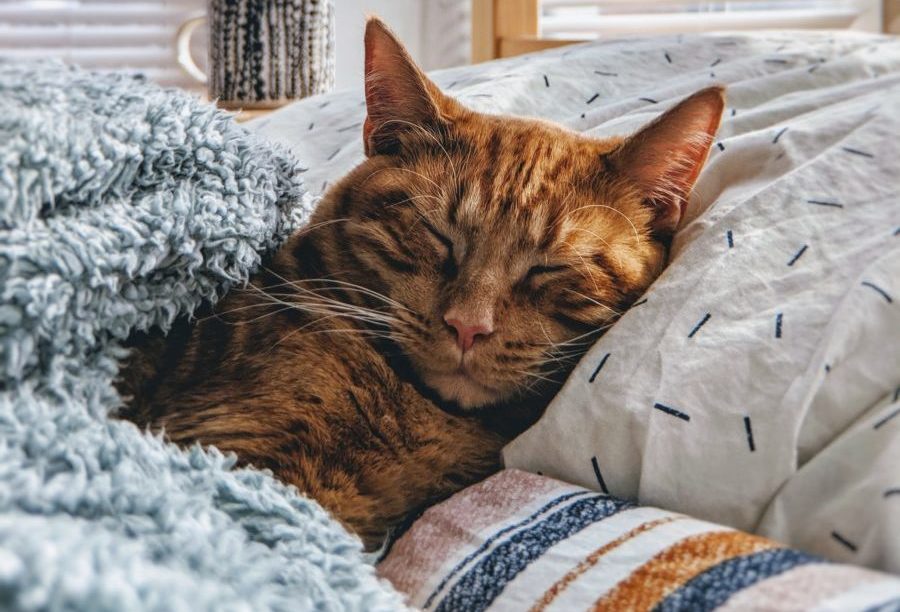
(440, 294)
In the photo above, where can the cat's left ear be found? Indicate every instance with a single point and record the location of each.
(399, 97)
(665, 158)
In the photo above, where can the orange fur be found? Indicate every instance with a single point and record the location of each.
(336, 368)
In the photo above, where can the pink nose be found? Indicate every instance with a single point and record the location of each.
(468, 330)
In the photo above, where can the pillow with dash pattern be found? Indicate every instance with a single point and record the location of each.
(757, 384)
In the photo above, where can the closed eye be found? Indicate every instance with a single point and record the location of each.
(538, 270)
(440, 238)
(449, 267)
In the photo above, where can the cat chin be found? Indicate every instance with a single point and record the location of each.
(462, 390)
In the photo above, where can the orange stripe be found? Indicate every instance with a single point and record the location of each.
(670, 569)
(592, 559)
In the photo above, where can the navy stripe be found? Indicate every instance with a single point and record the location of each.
(875, 287)
(890, 416)
(730, 237)
(798, 255)
(484, 546)
(599, 475)
(599, 367)
(844, 541)
(710, 589)
(699, 324)
(486, 580)
(748, 427)
(857, 152)
(675, 413)
(778, 318)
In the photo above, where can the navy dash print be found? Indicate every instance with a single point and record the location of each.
(825, 203)
(778, 135)
(748, 427)
(827, 368)
(875, 287)
(886, 419)
(311, 125)
(599, 475)
(797, 255)
(844, 541)
(668, 57)
(324, 185)
(650, 100)
(638, 303)
(325, 103)
(333, 155)
(350, 127)
(599, 367)
(857, 152)
(891, 492)
(730, 237)
(675, 413)
(546, 81)
(897, 232)
(721, 146)
(733, 112)
(778, 319)
(776, 61)
(487, 543)
(711, 588)
(897, 394)
(814, 68)
(716, 62)
(699, 324)
(604, 73)
(477, 588)
(592, 98)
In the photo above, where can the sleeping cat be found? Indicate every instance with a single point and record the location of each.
(441, 292)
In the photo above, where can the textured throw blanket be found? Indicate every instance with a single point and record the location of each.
(122, 207)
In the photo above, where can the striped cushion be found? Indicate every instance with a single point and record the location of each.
(523, 542)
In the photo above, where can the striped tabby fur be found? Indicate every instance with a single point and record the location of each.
(337, 368)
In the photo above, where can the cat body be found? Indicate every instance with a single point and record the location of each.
(440, 294)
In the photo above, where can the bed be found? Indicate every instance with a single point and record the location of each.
(756, 386)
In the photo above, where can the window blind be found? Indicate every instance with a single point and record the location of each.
(132, 35)
(585, 18)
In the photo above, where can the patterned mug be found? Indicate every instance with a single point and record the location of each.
(263, 53)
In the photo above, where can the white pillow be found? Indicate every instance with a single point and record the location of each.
(758, 383)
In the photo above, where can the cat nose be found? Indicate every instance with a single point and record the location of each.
(469, 326)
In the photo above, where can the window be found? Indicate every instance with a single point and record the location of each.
(585, 18)
(138, 35)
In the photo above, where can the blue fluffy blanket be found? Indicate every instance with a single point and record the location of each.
(122, 207)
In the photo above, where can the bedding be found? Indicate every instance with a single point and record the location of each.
(757, 384)
(519, 541)
(123, 206)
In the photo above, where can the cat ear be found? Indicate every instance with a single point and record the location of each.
(399, 97)
(665, 157)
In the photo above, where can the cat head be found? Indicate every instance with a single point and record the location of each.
(500, 247)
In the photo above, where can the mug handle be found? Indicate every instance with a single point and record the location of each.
(183, 44)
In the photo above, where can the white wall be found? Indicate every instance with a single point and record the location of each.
(404, 17)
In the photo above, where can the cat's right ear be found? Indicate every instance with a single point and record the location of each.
(399, 97)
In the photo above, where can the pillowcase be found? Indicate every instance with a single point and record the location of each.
(757, 382)
(518, 541)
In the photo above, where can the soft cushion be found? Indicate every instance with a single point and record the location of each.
(524, 542)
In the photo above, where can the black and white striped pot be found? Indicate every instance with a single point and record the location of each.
(265, 53)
